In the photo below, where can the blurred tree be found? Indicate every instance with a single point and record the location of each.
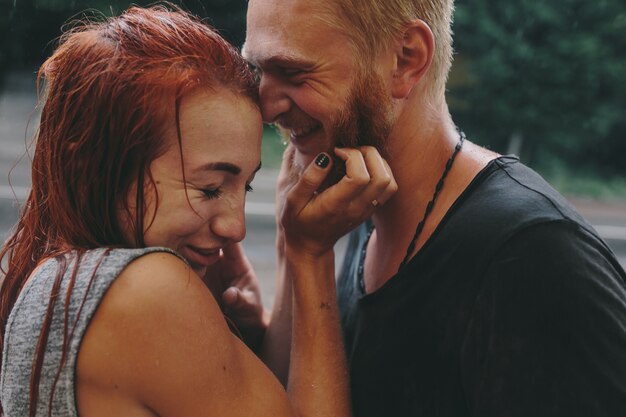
(5, 29)
(29, 27)
(544, 77)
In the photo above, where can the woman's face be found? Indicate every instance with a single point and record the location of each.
(201, 212)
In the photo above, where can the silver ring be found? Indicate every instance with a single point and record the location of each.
(375, 203)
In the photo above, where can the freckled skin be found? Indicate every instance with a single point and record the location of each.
(215, 128)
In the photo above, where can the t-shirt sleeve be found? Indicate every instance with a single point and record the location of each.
(547, 336)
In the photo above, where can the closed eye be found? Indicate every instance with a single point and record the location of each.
(212, 193)
(292, 72)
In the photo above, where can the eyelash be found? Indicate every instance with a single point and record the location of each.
(292, 72)
(212, 194)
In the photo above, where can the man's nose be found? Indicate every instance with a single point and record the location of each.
(274, 98)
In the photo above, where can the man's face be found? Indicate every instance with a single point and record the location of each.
(310, 85)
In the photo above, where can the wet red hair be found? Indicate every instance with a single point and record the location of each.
(111, 89)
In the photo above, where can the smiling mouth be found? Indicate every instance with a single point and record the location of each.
(301, 132)
(202, 257)
(204, 252)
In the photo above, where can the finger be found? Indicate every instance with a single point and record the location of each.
(310, 180)
(287, 175)
(356, 168)
(380, 187)
(239, 303)
(231, 297)
(380, 176)
(234, 264)
(234, 252)
(288, 154)
(353, 183)
(392, 187)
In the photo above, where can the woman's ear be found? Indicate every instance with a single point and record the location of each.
(414, 54)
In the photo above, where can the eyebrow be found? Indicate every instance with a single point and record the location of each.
(224, 166)
(289, 61)
(281, 60)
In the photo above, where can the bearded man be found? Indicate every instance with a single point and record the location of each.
(476, 290)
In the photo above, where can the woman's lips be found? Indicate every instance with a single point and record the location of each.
(201, 257)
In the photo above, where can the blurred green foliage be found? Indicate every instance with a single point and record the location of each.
(28, 28)
(550, 74)
(272, 148)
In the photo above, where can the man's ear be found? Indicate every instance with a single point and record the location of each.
(414, 54)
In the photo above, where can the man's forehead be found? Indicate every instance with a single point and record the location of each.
(291, 6)
(261, 50)
(280, 32)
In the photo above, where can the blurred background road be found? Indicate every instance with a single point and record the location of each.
(18, 120)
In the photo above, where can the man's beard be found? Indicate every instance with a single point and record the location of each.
(365, 120)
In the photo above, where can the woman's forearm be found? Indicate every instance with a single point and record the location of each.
(276, 348)
(318, 377)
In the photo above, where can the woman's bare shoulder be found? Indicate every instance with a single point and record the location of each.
(158, 277)
(159, 340)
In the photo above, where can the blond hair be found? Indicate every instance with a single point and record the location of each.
(372, 24)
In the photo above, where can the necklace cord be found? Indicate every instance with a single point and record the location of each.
(420, 225)
(431, 203)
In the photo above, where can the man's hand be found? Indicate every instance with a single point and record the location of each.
(236, 288)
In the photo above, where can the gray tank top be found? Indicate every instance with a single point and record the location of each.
(97, 270)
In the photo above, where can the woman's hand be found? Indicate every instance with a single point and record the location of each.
(236, 289)
(314, 222)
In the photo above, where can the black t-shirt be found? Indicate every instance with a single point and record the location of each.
(514, 307)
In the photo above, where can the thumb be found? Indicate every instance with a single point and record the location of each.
(233, 253)
(231, 297)
(310, 180)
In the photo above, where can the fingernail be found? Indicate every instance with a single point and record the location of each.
(322, 160)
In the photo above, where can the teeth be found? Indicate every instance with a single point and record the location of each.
(303, 130)
(206, 252)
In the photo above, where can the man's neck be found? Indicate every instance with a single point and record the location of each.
(417, 151)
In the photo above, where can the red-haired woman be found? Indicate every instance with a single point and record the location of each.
(150, 135)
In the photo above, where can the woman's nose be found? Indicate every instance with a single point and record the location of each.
(230, 224)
